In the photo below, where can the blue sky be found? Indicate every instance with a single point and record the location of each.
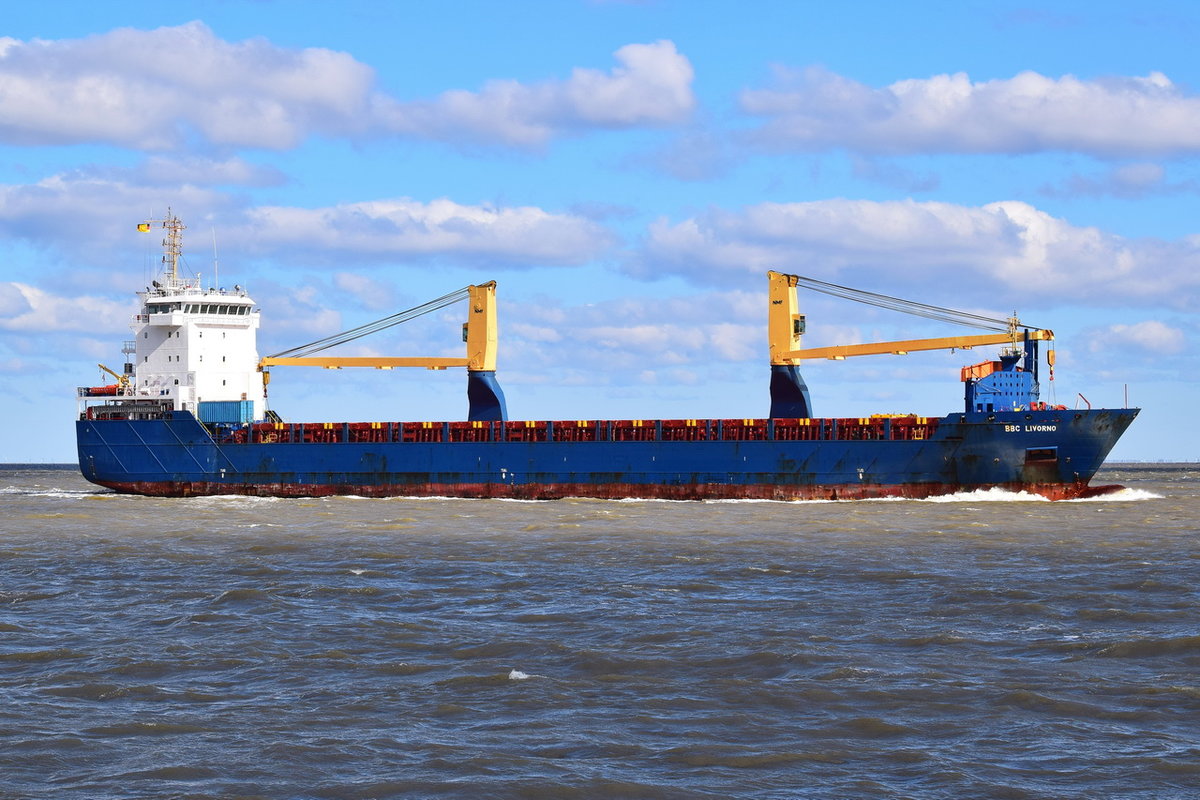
(627, 172)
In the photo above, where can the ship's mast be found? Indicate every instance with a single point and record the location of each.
(172, 245)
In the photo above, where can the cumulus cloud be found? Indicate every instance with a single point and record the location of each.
(814, 109)
(162, 89)
(1149, 336)
(102, 213)
(199, 171)
(994, 254)
(294, 314)
(155, 89)
(13, 302)
(29, 309)
(650, 86)
(370, 293)
(173, 171)
(628, 334)
(443, 229)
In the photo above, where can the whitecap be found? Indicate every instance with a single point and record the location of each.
(1123, 495)
(991, 495)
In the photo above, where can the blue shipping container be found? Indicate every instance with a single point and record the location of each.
(236, 411)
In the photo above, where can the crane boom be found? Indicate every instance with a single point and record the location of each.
(902, 347)
(484, 395)
(479, 333)
(786, 326)
(378, 362)
(1010, 382)
(122, 380)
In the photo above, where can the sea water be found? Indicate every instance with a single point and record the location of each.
(982, 645)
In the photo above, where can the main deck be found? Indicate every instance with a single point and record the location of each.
(889, 428)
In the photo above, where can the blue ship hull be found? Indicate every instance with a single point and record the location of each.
(1054, 453)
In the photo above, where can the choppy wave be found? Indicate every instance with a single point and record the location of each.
(1123, 495)
(52, 492)
(992, 495)
(229, 499)
(943, 648)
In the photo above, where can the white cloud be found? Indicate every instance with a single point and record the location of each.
(174, 171)
(28, 309)
(814, 109)
(992, 255)
(103, 212)
(154, 89)
(13, 302)
(199, 171)
(1148, 336)
(404, 228)
(370, 293)
(534, 333)
(160, 89)
(293, 315)
(627, 335)
(651, 86)
(835, 234)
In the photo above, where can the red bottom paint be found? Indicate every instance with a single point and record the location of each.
(609, 491)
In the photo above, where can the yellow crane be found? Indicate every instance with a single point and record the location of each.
(790, 395)
(122, 380)
(787, 325)
(485, 397)
(479, 333)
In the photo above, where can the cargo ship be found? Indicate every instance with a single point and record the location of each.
(188, 415)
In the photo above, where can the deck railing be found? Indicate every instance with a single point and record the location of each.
(884, 428)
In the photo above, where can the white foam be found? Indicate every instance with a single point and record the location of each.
(733, 500)
(242, 499)
(52, 492)
(517, 675)
(707, 501)
(1122, 496)
(997, 495)
(992, 495)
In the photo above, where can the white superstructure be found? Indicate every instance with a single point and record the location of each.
(193, 345)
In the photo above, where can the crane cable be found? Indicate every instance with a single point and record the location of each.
(909, 306)
(373, 327)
